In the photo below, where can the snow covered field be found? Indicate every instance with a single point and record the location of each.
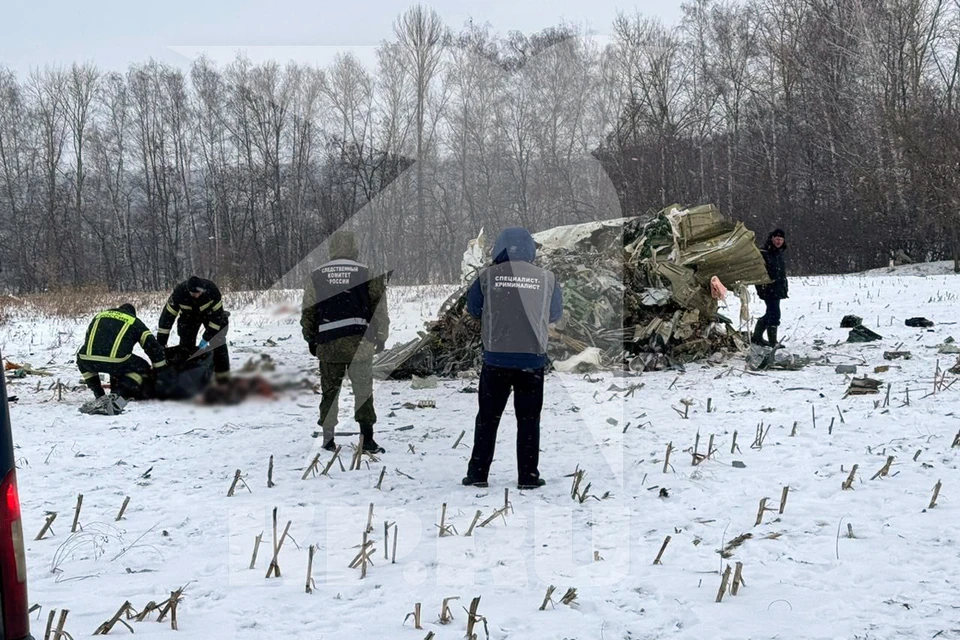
(803, 577)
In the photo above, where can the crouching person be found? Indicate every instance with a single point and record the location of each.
(345, 322)
(515, 301)
(108, 348)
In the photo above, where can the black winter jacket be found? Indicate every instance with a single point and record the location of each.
(113, 334)
(776, 270)
(207, 309)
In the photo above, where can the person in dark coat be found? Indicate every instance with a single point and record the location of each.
(196, 303)
(772, 293)
(108, 348)
(515, 301)
(345, 323)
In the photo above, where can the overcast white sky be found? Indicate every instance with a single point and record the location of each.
(114, 33)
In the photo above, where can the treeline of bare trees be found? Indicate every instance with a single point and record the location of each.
(835, 119)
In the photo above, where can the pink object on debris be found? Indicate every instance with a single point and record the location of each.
(717, 290)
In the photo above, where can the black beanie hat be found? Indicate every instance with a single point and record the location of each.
(778, 233)
(128, 308)
(195, 285)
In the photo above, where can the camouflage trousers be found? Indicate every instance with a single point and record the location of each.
(332, 374)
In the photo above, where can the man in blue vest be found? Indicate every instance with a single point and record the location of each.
(345, 322)
(515, 301)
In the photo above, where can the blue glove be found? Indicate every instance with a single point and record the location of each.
(203, 344)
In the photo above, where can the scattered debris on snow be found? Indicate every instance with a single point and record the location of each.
(640, 293)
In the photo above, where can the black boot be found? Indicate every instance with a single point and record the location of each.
(757, 337)
(369, 444)
(526, 485)
(97, 388)
(474, 482)
(772, 335)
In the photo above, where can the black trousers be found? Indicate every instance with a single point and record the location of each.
(126, 378)
(772, 317)
(496, 383)
(188, 327)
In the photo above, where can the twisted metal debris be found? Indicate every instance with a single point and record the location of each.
(637, 290)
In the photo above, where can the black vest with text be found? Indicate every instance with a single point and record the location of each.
(343, 300)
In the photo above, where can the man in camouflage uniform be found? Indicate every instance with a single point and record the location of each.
(344, 320)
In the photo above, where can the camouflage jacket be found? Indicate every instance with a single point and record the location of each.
(349, 348)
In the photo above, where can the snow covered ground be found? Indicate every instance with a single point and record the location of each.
(918, 269)
(803, 577)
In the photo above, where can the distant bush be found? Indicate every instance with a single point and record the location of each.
(73, 303)
(70, 303)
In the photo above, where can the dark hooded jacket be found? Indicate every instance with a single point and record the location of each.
(515, 301)
(207, 309)
(364, 299)
(112, 336)
(776, 270)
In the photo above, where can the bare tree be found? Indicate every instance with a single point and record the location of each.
(659, 102)
(837, 119)
(45, 90)
(421, 35)
(18, 184)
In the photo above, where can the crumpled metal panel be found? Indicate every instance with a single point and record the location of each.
(632, 286)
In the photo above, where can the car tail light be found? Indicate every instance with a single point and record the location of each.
(13, 579)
